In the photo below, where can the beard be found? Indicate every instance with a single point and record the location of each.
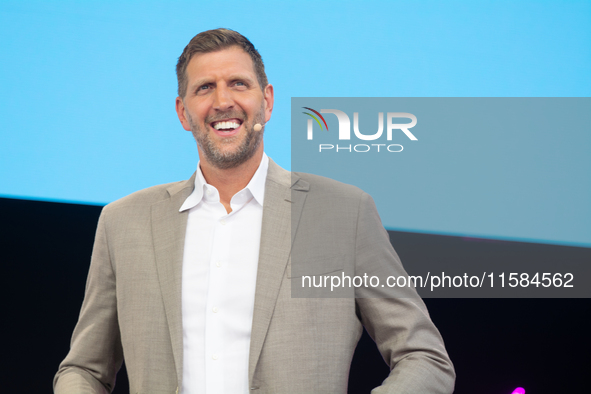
(220, 153)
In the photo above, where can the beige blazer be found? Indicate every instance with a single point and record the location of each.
(132, 304)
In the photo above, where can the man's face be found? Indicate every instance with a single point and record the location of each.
(222, 103)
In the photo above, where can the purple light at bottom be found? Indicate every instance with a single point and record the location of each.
(519, 390)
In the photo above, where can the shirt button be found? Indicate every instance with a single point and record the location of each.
(223, 222)
(214, 356)
(215, 309)
(218, 263)
(208, 192)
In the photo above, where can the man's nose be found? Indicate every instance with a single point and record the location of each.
(222, 98)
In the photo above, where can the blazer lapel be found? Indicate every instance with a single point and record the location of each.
(281, 213)
(168, 232)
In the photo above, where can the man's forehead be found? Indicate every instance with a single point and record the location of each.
(226, 59)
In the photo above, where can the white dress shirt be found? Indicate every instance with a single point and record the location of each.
(218, 285)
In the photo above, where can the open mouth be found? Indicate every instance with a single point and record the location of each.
(227, 125)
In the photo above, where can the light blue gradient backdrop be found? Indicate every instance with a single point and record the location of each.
(88, 87)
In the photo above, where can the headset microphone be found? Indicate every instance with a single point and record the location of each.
(258, 127)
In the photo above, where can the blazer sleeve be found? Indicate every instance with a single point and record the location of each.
(96, 353)
(397, 319)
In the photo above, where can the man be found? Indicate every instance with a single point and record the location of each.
(191, 281)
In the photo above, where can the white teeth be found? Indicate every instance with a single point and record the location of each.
(226, 125)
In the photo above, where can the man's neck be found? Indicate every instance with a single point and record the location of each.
(230, 181)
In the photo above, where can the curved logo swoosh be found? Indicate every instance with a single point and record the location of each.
(315, 118)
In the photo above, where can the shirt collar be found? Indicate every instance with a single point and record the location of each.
(256, 186)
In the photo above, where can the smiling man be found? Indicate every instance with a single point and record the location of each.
(190, 282)
(222, 99)
(224, 93)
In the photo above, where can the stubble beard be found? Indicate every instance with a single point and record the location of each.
(213, 151)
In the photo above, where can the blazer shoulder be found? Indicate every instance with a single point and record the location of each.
(145, 198)
(328, 187)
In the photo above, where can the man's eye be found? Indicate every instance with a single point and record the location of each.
(204, 87)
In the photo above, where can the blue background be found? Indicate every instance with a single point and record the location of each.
(88, 88)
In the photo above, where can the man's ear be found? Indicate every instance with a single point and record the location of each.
(182, 113)
(269, 98)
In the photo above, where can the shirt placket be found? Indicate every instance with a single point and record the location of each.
(214, 330)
